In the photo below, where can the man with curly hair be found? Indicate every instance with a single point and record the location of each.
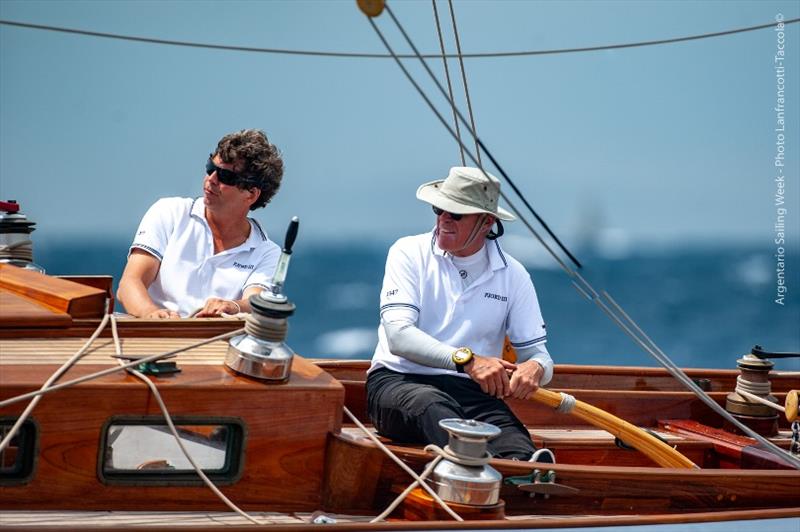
(204, 256)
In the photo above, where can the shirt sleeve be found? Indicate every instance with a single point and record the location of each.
(400, 289)
(407, 341)
(525, 326)
(538, 353)
(263, 272)
(154, 229)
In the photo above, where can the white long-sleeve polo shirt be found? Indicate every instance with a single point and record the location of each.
(175, 231)
(422, 285)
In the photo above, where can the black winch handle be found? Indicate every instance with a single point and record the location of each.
(761, 353)
(291, 235)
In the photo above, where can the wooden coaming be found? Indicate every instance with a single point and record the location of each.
(604, 490)
(638, 395)
(286, 426)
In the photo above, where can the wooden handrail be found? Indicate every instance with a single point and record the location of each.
(649, 445)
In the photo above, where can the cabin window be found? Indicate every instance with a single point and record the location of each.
(144, 451)
(17, 460)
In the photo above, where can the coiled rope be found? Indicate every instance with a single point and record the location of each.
(759, 388)
(567, 403)
(272, 329)
(22, 250)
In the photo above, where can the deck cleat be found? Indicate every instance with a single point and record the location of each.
(541, 483)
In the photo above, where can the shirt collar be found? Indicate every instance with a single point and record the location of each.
(497, 259)
(199, 208)
(257, 234)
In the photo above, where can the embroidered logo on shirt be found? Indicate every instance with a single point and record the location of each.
(244, 266)
(498, 297)
(390, 293)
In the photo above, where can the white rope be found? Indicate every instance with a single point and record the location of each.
(22, 250)
(403, 466)
(174, 431)
(54, 377)
(759, 388)
(48, 389)
(761, 400)
(567, 403)
(441, 454)
(389, 509)
(448, 453)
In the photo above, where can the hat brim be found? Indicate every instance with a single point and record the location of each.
(430, 193)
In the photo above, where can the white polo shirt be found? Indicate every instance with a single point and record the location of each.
(422, 281)
(175, 231)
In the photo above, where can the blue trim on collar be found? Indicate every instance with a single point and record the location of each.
(260, 231)
(500, 254)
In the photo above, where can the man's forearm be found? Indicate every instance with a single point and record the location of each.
(539, 354)
(134, 297)
(409, 342)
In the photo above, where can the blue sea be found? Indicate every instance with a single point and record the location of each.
(704, 306)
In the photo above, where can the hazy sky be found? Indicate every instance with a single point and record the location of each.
(670, 142)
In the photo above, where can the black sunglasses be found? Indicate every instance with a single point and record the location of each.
(438, 212)
(227, 177)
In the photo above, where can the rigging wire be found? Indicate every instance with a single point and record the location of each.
(474, 134)
(449, 83)
(463, 75)
(608, 306)
(360, 55)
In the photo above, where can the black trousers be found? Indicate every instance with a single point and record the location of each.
(407, 408)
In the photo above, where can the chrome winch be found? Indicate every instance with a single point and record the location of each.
(16, 247)
(455, 478)
(262, 352)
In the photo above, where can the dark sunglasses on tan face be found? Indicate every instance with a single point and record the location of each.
(228, 177)
(438, 212)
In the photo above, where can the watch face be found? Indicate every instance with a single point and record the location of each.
(462, 356)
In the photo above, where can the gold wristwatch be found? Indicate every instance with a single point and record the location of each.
(461, 357)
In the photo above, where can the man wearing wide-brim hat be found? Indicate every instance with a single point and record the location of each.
(449, 299)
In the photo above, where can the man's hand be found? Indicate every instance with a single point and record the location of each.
(162, 313)
(525, 380)
(491, 374)
(215, 306)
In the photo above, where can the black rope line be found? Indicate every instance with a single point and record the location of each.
(475, 136)
(449, 83)
(359, 55)
(463, 74)
(466, 150)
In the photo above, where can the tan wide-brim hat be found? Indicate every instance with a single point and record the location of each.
(465, 191)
